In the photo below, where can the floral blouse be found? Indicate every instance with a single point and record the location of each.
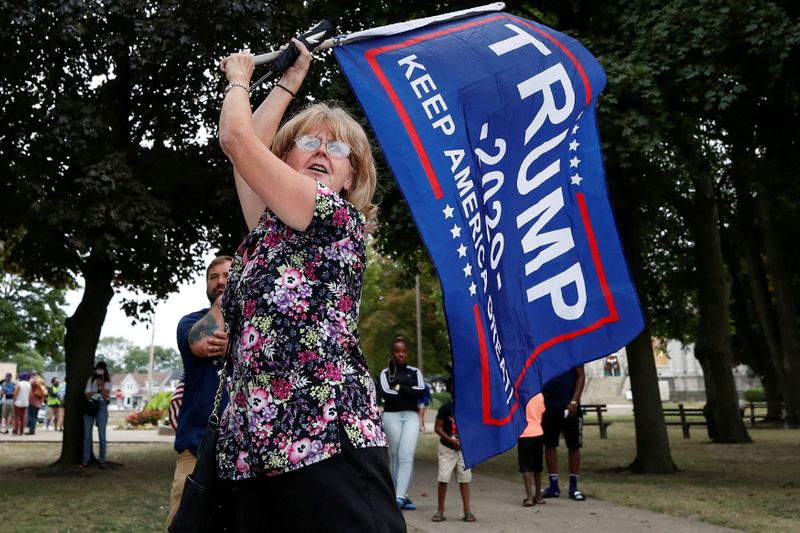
(299, 377)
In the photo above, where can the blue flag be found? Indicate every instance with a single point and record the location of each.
(488, 124)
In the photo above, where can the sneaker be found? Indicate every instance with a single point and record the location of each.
(550, 492)
(400, 502)
(408, 505)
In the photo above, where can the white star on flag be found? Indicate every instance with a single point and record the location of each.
(462, 250)
(456, 231)
(576, 179)
(574, 145)
(574, 162)
(575, 129)
(472, 289)
(467, 270)
(448, 212)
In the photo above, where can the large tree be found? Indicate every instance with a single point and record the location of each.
(107, 170)
(388, 307)
(138, 359)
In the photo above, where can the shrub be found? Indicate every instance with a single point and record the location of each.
(159, 401)
(439, 398)
(755, 395)
(145, 417)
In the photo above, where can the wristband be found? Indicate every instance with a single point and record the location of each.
(285, 89)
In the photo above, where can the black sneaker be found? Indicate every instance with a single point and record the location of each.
(408, 505)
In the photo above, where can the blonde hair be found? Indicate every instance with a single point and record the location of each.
(345, 128)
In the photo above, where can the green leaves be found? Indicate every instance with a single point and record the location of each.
(31, 321)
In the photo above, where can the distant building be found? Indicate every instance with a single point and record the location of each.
(680, 376)
(129, 390)
(8, 367)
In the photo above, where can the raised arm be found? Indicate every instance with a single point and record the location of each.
(262, 178)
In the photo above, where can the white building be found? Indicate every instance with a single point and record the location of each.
(680, 376)
(129, 390)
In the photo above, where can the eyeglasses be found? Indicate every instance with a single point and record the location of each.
(309, 143)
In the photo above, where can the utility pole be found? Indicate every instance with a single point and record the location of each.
(419, 327)
(150, 365)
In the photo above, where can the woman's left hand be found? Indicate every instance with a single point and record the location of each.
(238, 68)
(293, 76)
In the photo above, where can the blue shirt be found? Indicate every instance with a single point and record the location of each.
(200, 384)
(558, 391)
(8, 389)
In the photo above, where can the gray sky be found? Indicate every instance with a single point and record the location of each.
(190, 297)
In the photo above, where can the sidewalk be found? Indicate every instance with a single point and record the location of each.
(498, 506)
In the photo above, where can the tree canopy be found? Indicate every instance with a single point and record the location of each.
(110, 170)
(31, 322)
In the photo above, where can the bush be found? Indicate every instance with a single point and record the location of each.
(438, 399)
(145, 417)
(159, 401)
(755, 395)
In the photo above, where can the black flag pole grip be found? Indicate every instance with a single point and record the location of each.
(314, 37)
(284, 59)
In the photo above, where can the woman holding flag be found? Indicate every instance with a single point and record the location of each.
(301, 444)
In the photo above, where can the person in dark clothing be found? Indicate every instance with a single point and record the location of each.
(562, 396)
(401, 386)
(201, 341)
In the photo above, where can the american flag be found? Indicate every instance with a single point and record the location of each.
(175, 405)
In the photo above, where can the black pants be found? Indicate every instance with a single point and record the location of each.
(352, 491)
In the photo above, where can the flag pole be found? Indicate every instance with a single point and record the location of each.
(390, 29)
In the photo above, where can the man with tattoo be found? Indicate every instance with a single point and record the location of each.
(202, 342)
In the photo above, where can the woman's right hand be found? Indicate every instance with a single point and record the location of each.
(238, 68)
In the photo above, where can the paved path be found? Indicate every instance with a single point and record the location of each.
(496, 503)
(498, 506)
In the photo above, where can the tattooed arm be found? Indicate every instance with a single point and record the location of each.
(207, 338)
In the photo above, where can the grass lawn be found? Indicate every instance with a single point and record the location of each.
(131, 495)
(752, 487)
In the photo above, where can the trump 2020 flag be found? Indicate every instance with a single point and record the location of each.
(488, 123)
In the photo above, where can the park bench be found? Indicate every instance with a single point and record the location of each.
(752, 407)
(686, 417)
(598, 408)
(761, 407)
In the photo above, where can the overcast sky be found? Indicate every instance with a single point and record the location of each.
(190, 297)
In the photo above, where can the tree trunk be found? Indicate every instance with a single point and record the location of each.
(771, 377)
(751, 347)
(747, 235)
(713, 346)
(789, 368)
(653, 455)
(80, 342)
